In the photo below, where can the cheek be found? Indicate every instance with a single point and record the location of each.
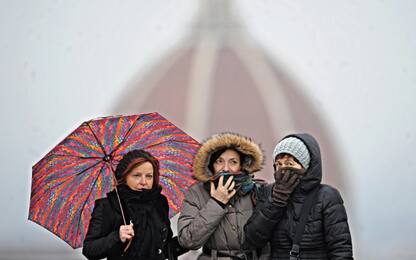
(217, 168)
(149, 184)
(235, 168)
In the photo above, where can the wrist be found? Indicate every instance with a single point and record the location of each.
(219, 202)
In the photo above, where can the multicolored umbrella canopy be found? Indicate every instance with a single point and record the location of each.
(79, 170)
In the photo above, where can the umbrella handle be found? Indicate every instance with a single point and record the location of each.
(121, 207)
(124, 218)
(128, 245)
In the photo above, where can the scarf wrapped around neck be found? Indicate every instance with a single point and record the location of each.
(243, 181)
(149, 216)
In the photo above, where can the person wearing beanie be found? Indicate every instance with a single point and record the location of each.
(216, 208)
(138, 201)
(298, 175)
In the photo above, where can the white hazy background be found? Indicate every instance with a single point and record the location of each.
(64, 62)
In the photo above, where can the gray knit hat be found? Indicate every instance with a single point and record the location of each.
(295, 147)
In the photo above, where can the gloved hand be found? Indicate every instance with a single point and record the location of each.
(285, 182)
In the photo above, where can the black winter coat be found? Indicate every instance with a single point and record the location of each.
(102, 239)
(326, 234)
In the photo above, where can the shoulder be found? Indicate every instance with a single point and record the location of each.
(197, 194)
(329, 195)
(102, 207)
(102, 203)
(163, 200)
(197, 189)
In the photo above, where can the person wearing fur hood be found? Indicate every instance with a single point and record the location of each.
(216, 208)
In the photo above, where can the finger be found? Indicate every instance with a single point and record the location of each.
(288, 192)
(231, 186)
(277, 175)
(281, 194)
(292, 180)
(295, 184)
(285, 176)
(231, 194)
(220, 181)
(227, 184)
(128, 234)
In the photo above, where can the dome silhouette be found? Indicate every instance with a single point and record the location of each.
(218, 79)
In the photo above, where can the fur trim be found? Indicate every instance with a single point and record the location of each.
(219, 141)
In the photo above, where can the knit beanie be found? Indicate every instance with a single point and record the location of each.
(295, 147)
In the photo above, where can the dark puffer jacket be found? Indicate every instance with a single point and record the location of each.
(326, 234)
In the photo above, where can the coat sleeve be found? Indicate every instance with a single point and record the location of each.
(337, 232)
(101, 241)
(197, 222)
(260, 226)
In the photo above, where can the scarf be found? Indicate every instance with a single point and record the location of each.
(146, 211)
(243, 181)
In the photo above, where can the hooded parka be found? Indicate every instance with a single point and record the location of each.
(326, 234)
(203, 222)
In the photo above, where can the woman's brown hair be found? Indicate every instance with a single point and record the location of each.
(133, 159)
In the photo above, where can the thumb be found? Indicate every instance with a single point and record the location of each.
(277, 175)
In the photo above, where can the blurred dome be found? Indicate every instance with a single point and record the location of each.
(217, 79)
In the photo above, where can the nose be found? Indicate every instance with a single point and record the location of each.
(142, 180)
(226, 167)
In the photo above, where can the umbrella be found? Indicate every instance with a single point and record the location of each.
(80, 169)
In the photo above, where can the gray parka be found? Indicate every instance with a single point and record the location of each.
(203, 222)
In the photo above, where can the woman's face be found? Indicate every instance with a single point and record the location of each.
(287, 160)
(229, 160)
(140, 177)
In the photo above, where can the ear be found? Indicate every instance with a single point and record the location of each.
(274, 167)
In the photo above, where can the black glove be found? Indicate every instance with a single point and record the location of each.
(285, 183)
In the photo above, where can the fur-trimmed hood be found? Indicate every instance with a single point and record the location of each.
(254, 155)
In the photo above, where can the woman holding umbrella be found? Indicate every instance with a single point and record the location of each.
(216, 209)
(137, 199)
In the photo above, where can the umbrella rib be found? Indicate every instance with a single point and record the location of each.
(125, 136)
(95, 164)
(78, 173)
(96, 138)
(85, 202)
(150, 146)
(80, 157)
